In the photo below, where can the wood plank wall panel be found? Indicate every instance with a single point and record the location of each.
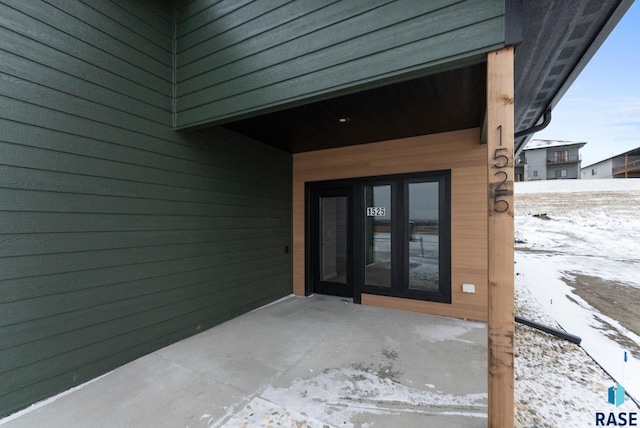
(117, 234)
(238, 58)
(459, 151)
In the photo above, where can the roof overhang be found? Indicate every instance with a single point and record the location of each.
(559, 38)
(553, 144)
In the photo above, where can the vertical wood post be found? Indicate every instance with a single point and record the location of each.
(500, 144)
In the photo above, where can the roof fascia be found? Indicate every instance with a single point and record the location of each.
(597, 42)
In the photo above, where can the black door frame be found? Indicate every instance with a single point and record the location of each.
(353, 189)
(313, 284)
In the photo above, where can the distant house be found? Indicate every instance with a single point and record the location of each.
(549, 160)
(624, 165)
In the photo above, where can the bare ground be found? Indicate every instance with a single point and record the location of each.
(617, 300)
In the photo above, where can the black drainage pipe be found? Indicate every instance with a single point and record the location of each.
(558, 333)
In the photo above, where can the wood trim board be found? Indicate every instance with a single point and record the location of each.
(500, 142)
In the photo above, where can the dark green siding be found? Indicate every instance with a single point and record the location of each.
(235, 58)
(117, 234)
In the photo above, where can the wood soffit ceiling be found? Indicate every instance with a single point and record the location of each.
(437, 103)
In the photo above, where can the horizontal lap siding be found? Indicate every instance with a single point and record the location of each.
(118, 235)
(238, 58)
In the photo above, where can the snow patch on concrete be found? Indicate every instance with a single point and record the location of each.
(449, 329)
(336, 395)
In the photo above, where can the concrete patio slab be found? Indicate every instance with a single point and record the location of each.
(316, 361)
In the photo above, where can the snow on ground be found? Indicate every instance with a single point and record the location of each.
(577, 250)
(557, 384)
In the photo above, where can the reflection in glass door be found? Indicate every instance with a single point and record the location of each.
(423, 237)
(377, 235)
(330, 241)
(333, 239)
(404, 253)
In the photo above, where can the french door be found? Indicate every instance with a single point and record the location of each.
(385, 235)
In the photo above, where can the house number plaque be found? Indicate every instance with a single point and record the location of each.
(501, 162)
(376, 211)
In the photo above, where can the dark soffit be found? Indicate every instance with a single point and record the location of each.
(431, 104)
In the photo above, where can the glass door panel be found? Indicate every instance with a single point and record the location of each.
(333, 239)
(423, 236)
(387, 236)
(377, 231)
(330, 261)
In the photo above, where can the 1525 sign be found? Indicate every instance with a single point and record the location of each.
(376, 211)
(501, 159)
